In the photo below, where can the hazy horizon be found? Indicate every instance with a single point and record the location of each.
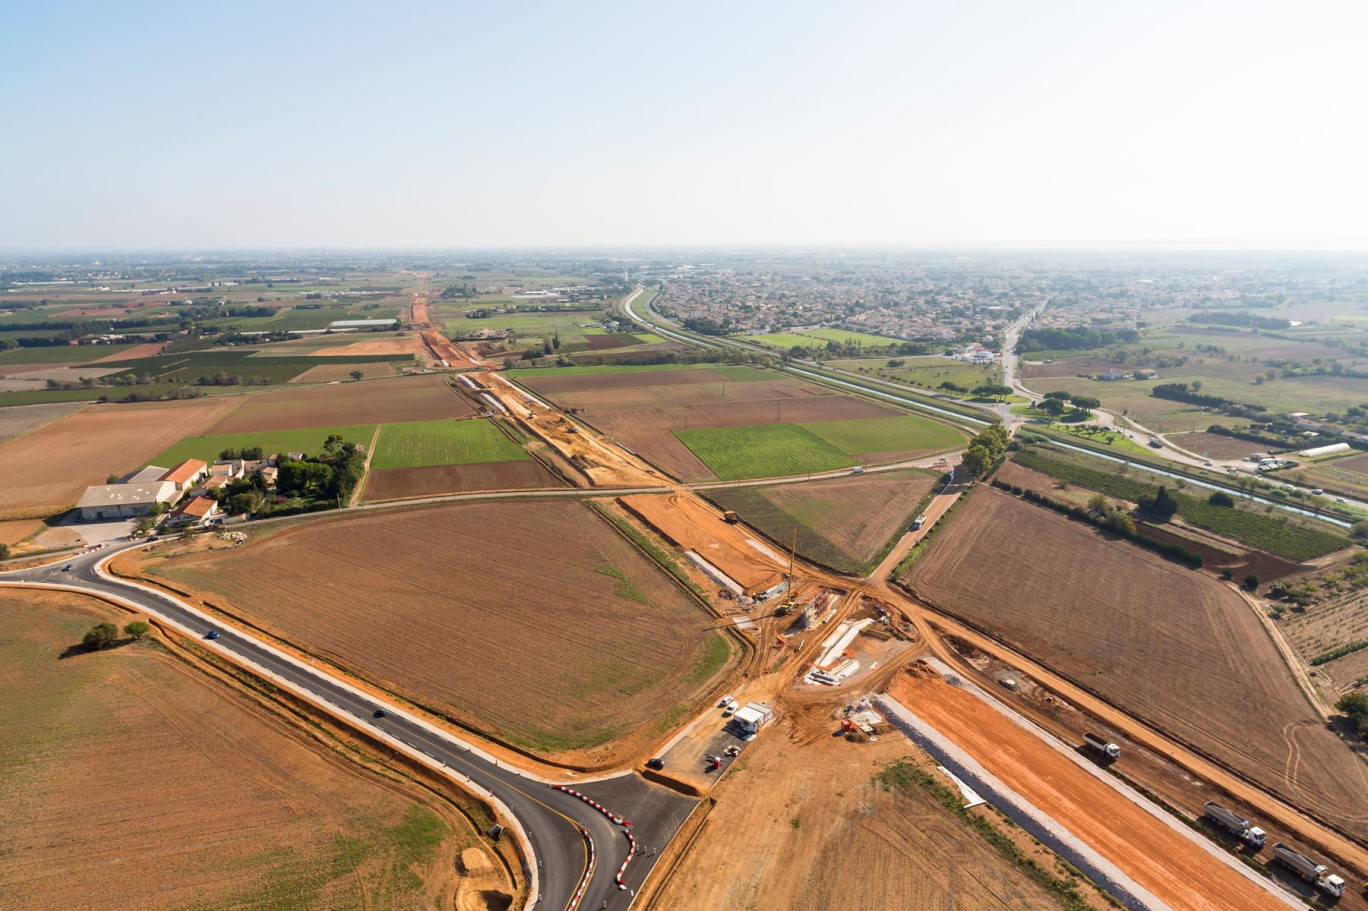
(338, 127)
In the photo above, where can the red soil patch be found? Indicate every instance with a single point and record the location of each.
(411, 398)
(685, 520)
(1172, 645)
(1156, 856)
(151, 349)
(401, 347)
(401, 483)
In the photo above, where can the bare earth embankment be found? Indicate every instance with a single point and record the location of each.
(1169, 644)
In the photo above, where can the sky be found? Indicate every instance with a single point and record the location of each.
(451, 125)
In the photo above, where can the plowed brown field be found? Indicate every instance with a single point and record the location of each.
(1216, 446)
(342, 373)
(46, 471)
(402, 346)
(1149, 851)
(409, 398)
(534, 620)
(1169, 644)
(399, 483)
(843, 523)
(132, 781)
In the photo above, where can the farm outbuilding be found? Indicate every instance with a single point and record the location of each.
(1318, 451)
(122, 501)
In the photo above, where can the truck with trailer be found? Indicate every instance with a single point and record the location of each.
(1235, 824)
(1104, 748)
(1318, 875)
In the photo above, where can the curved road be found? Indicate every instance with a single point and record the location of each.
(548, 819)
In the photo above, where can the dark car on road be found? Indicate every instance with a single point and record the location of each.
(380, 713)
(67, 568)
(656, 764)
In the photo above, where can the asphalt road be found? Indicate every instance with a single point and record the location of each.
(549, 818)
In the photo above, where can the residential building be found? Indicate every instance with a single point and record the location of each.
(186, 474)
(195, 511)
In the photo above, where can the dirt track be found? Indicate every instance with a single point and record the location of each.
(604, 464)
(1149, 851)
(693, 525)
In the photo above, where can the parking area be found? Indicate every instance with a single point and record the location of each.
(688, 758)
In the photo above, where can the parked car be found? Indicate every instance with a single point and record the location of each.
(656, 764)
(722, 703)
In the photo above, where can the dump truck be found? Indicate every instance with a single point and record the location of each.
(1235, 824)
(730, 517)
(1105, 748)
(1317, 874)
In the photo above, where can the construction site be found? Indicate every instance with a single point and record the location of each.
(671, 638)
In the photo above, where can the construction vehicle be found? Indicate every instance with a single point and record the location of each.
(1318, 875)
(1235, 824)
(730, 517)
(1105, 748)
(918, 522)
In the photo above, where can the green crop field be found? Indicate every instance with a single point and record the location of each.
(893, 434)
(763, 451)
(59, 354)
(854, 338)
(925, 372)
(784, 340)
(1275, 531)
(419, 444)
(308, 441)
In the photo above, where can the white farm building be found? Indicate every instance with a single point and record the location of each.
(123, 501)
